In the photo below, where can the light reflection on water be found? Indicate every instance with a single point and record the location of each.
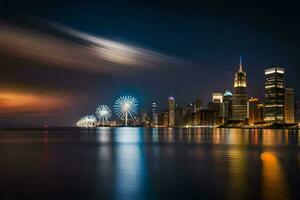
(274, 184)
(130, 165)
(141, 163)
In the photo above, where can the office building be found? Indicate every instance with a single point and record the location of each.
(274, 94)
(171, 103)
(144, 119)
(240, 96)
(289, 105)
(227, 105)
(178, 115)
(207, 117)
(165, 119)
(260, 112)
(154, 114)
(217, 97)
(188, 114)
(253, 111)
(198, 105)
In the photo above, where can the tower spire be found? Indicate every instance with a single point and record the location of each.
(241, 63)
(170, 94)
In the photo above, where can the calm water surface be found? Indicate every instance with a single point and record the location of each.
(138, 163)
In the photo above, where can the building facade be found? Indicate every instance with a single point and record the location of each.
(289, 105)
(198, 105)
(188, 114)
(240, 96)
(207, 117)
(154, 114)
(178, 115)
(171, 103)
(253, 111)
(144, 119)
(260, 112)
(217, 97)
(227, 105)
(165, 119)
(274, 94)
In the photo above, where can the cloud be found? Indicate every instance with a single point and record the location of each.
(77, 50)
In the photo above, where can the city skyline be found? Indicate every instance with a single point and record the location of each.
(226, 109)
(197, 50)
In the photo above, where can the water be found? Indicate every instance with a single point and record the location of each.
(137, 163)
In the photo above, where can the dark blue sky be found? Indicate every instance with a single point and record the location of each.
(209, 34)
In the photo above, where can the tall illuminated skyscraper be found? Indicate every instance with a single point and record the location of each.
(154, 114)
(217, 97)
(171, 103)
(274, 94)
(240, 96)
(289, 105)
(217, 102)
(227, 105)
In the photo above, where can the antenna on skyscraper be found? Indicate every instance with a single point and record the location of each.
(241, 62)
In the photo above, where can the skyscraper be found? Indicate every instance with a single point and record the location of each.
(188, 113)
(260, 112)
(240, 96)
(198, 105)
(154, 114)
(217, 97)
(166, 119)
(178, 115)
(207, 117)
(289, 105)
(171, 102)
(274, 94)
(253, 110)
(227, 105)
(144, 119)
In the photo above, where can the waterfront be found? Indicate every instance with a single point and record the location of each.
(145, 163)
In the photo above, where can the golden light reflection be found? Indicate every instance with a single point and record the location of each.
(216, 137)
(254, 137)
(237, 168)
(274, 185)
(238, 136)
(274, 137)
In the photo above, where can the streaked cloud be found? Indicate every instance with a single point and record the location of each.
(77, 50)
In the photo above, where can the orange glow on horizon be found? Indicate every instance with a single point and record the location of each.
(15, 101)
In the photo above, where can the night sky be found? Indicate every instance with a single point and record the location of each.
(187, 49)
